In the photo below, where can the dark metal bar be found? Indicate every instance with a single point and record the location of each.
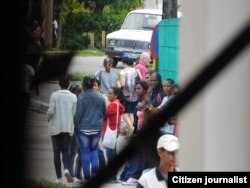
(148, 134)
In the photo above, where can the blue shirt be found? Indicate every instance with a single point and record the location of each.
(90, 111)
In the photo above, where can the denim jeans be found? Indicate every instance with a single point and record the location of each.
(133, 168)
(89, 153)
(74, 157)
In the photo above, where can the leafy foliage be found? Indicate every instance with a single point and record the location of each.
(75, 35)
(79, 17)
(97, 6)
(77, 76)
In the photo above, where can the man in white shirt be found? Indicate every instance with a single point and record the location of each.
(167, 148)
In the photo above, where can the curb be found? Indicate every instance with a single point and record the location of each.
(38, 106)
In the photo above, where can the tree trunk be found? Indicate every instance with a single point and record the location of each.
(47, 10)
(169, 9)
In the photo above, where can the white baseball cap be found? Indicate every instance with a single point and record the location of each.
(168, 142)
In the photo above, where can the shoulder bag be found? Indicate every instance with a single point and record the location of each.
(110, 136)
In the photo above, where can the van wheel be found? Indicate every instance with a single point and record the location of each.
(115, 62)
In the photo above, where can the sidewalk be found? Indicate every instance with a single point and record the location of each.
(40, 166)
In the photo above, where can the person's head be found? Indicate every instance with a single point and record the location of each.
(143, 105)
(127, 62)
(96, 85)
(155, 80)
(175, 90)
(148, 77)
(141, 88)
(144, 58)
(107, 63)
(75, 88)
(167, 84)
(87, 83)
(167, 147)
(140, 106)
(113, 94)
(64, 82)
(173, 120)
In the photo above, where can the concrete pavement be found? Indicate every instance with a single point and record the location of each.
(40, 164)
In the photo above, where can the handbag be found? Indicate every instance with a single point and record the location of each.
(110, 136)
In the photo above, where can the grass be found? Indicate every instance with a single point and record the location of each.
(77, 76)
(83, 53)
(90, 52)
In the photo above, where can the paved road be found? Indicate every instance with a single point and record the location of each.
(39, 147)
(89, 65)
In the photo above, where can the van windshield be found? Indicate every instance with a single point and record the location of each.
(141, 21)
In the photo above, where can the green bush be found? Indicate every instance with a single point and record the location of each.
(78, 24)
(75, 36)
(77, 76)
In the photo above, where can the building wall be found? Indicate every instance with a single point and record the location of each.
(215, 126)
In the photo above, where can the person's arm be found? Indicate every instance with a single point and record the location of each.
(122, 80)
(118, 84)
(51, 109)
(97, 75)
(74, 105)
(78, 113)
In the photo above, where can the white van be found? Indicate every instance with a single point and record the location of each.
(134, 36)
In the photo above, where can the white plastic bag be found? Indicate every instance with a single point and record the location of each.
(109, 138)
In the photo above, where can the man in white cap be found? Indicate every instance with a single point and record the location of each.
(167, 147)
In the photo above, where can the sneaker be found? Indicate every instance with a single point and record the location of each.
(130, 181)
(76, 180)
(68, 176)
(58, 180)
(121, 181)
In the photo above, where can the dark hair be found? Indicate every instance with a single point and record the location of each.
(88, 82)
(64, 81)
(174, 86)
(170, 80)
(97, 81)
(75, 88)
(158, 76)
(127, 61)
(118, 93)
(143, 84)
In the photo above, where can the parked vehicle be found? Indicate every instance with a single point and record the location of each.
(134, 36)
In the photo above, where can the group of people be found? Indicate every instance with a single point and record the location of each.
(80, 115)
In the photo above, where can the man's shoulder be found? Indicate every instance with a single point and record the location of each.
(97, 74)
(148, 173)
(140, 66)
(149, 176)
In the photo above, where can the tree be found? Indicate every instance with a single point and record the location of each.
(47, 11)
(97, 5)
(61, 9)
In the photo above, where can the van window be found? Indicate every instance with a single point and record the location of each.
(141, 21)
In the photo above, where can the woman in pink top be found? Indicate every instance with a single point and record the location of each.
(141, 90)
